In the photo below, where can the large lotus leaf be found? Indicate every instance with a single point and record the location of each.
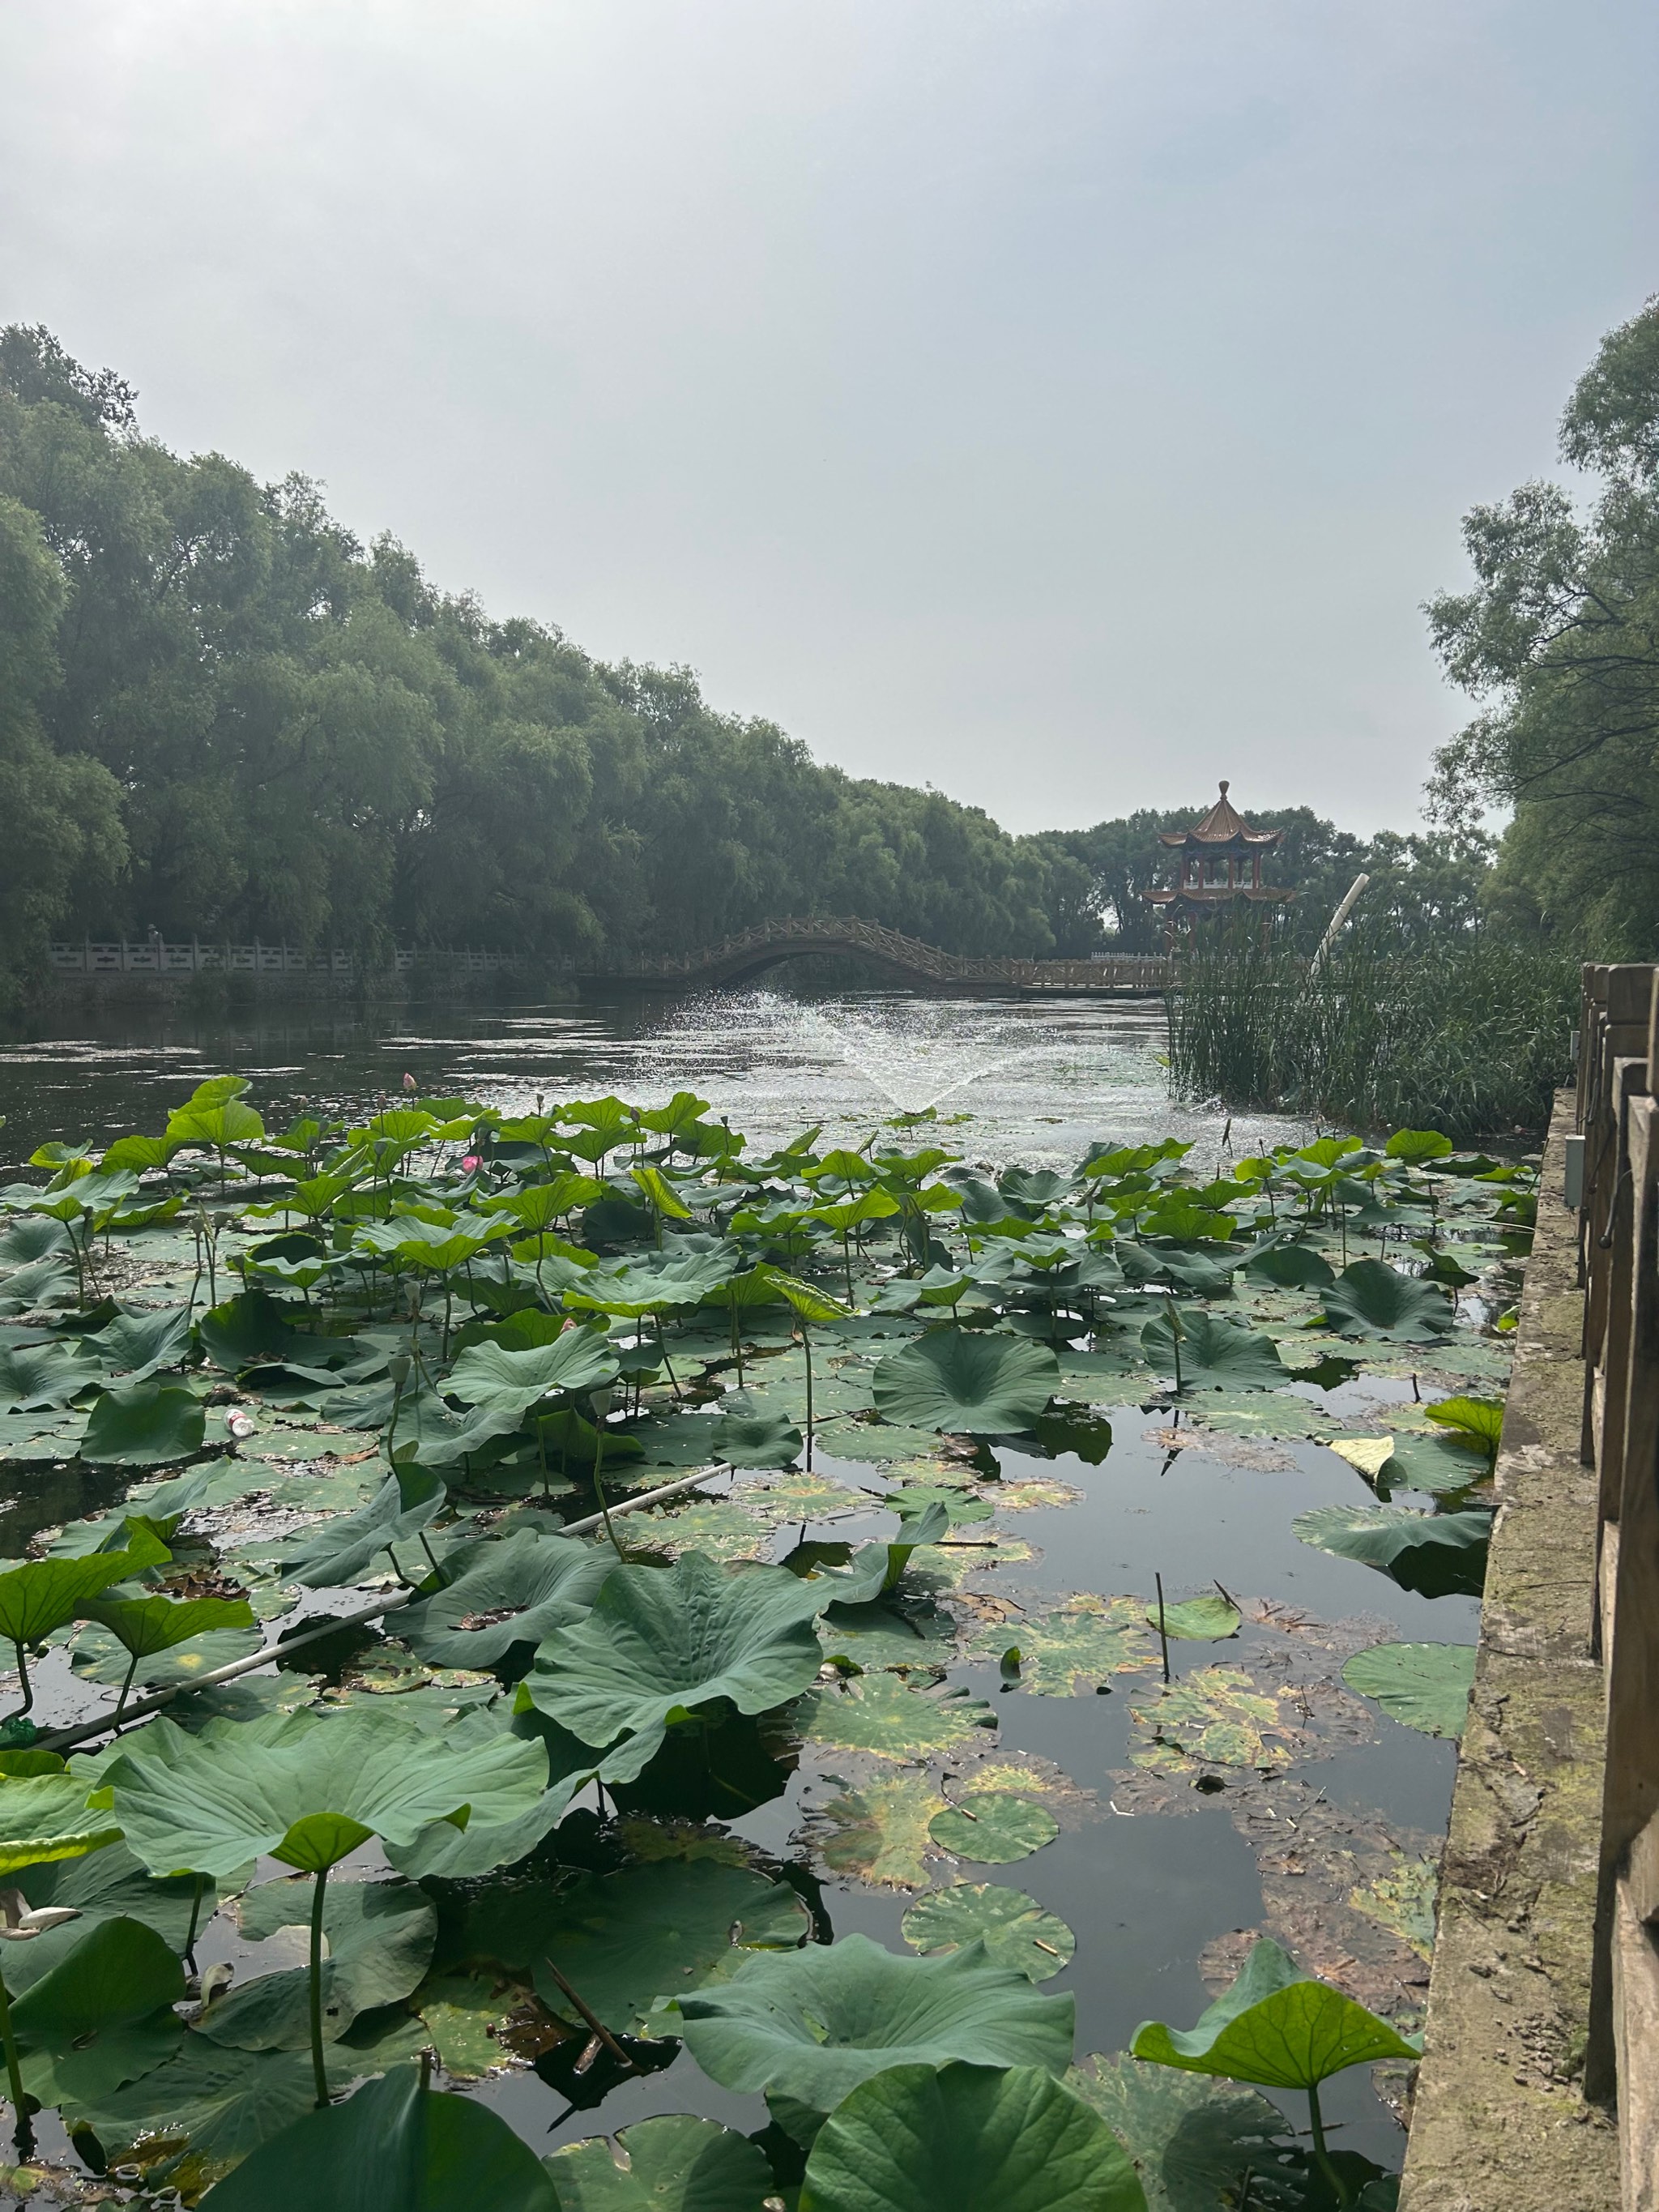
(1291, 1267)
(143, 1343)
(342, 1549)
(43, 1594)
(1438, 1555)
(1414, 1146)
(379, 1937)
(1426, 1686)
(968, 1382)
(209, 2106)
(145, 1425)
(1370, 1298)
(1212, 1354)
(45, 1817)
(510, 1382)
(677, 2163)
(653, 1282)
(1276, 2025)
(811, 2025)
(101, 2017)
(876, 1635)
(306, 1788)
(1014, 1929)
(104, 1884)
(880, 1714)
(44, 1375)
(659, 1642)
(1477, 1422)
(624, 1939)
(29, 1238)
(250, 1327)
(147, 1624)
(1193, 2139)
(514, 1590)
(993, 1827)
(746, 1434)
(966, 2139)
(393, 2147)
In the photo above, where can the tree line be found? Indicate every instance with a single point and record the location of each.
(222, 715)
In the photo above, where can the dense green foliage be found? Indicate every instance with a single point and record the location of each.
(1560, 638)
(221, 715)
(439, 1376)
(1466, 1034)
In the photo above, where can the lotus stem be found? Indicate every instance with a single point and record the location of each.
(126, 1686)
(1325, 2167)
(593, 2019)
(806, 1348)
(1162, 1637)
(599, 1490)
(319, 2070)
(195, 1916)
(24, 2132)
(23, 1678)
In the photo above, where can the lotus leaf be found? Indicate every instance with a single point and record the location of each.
(746, 1434)
(43, 1594)
(1276, 2025)
(653, 1282)
(39, 1376)
(1480, 1421)
(876, 1635)
(1014, 1929)
(966, 2139)
(880, 1714)
(1194, 2139)
(209, 2106)
(106, 1883)
(994, 1828)
(879, 1833)
(677, 2163)
(250, 1327)
(1211, 1354)
(1426, 1686)
(1438, 1464)
(1198, 1620)
(811, 2025)
(1415, 1146)
(1435, 1554)
(379, 1936)
(1214, 1717)
(44, 1817)
(969, 1382)
(626, 1940)
(143, 1343)
(1370, 1298)
(101, 2017)
(306, 1788)
(144, 1626)
(509, 1384)
(1081, 1645)
(657, 1644)
(508, 1591)
(341, 1550)
(394, 2146)
(1291, 1267)
(145, 1425)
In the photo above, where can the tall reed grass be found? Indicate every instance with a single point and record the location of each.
(1467, 1036)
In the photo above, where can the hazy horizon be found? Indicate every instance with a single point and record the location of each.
(1065, 405)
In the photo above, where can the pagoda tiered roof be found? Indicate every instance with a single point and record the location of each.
(1222, 827)
(1223, 839)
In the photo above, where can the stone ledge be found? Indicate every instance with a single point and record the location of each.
(1499, 2122)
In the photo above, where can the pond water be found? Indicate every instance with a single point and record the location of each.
(1033, 1080)
(1167, 1855)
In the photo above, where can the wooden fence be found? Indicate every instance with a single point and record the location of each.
(1618, 1173)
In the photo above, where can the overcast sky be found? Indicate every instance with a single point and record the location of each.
(1063, 402)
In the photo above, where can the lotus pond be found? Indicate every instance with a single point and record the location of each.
(1051, 1648)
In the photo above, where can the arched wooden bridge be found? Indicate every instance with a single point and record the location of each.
(751, 952)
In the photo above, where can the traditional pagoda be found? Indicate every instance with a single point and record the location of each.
(1213, 878)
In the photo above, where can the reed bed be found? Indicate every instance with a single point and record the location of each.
(1469, 1037)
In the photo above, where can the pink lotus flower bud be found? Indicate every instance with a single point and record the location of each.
(471, 1162)
(409, 1081)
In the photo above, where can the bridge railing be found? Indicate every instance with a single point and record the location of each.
(156, 955)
